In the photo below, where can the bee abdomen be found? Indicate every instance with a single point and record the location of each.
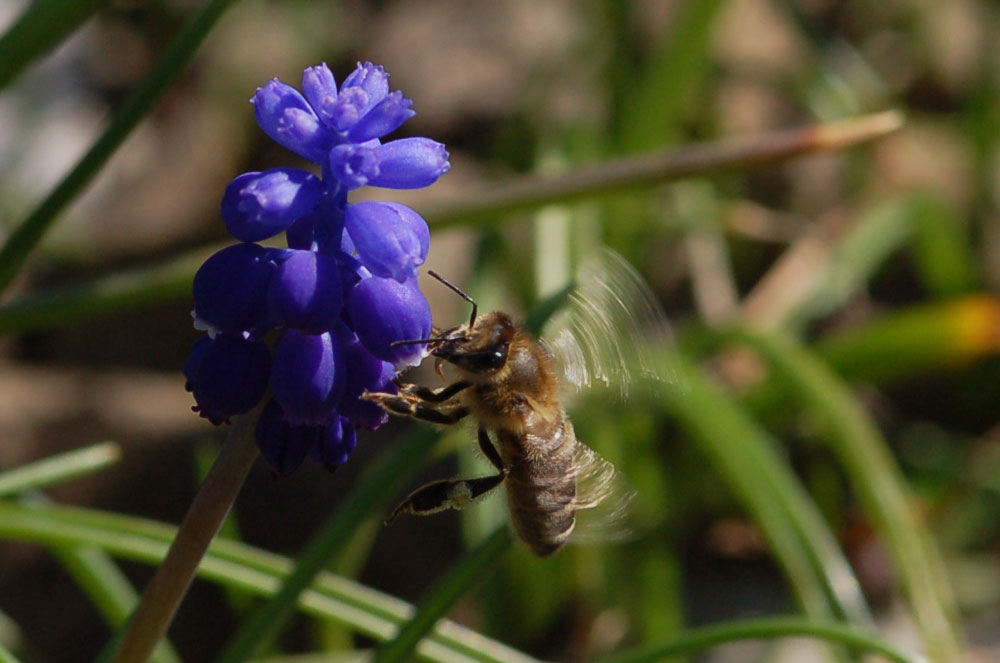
(542, 498)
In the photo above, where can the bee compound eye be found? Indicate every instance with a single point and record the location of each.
(496, 358)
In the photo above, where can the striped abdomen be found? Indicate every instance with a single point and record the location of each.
(541, 486)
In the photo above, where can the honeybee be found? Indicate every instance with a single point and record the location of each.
(509, 382)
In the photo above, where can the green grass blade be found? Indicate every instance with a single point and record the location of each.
(371, 491)
(59, 468)
(747, 458)
(26, 237)
(6, 656)
(96, 575)
(855, 259)
(255, 571)
(43, 24)
(674, 72)
(697, 640)
(941, 248)
(128, 289)
(876, 478)
(941, 335)
(107, 588)
(472, 568)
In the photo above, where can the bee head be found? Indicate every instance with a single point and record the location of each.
(479, 348)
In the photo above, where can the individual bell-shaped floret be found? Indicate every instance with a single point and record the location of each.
(353, 164)
(229, 290)
(261, 205)
(283, 445)
(363, 88)
(287, 117)
(307, 378)
(384, 311)
(383, 118)
(305, 292)
(363, 108)
(408, 163)
(320, 88)
(391, 239)
(365, 372)
(227, 376)
(334, 444)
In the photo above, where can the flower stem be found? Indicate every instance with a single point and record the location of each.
(210, 507)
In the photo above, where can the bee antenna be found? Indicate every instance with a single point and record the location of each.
(461, 293)
(415, 341)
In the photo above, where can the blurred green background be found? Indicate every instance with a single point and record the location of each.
(834, 450)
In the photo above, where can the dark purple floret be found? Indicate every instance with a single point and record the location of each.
(229, 290)
(227, 375)
(308, 377)
(334, 443)
(384, 311)
(365, 372)
(282, 445)
(305, 292)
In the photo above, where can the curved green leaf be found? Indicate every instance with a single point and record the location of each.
(873, 472)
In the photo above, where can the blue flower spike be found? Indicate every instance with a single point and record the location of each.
(344, 290)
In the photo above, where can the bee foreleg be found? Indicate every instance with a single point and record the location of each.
(409, 407)
(433, 395)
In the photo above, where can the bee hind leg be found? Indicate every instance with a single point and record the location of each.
(454, 493)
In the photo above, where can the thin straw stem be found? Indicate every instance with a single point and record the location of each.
(479, 207)
(208, 510)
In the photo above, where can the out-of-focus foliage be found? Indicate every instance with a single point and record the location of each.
(828, 446)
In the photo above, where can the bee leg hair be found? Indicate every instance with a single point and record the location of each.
(408, 407)
(454, 493)
(433, 395)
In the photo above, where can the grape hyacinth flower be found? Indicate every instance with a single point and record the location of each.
(311, 327)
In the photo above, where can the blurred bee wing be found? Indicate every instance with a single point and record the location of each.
(603, 500)
(610, 328)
